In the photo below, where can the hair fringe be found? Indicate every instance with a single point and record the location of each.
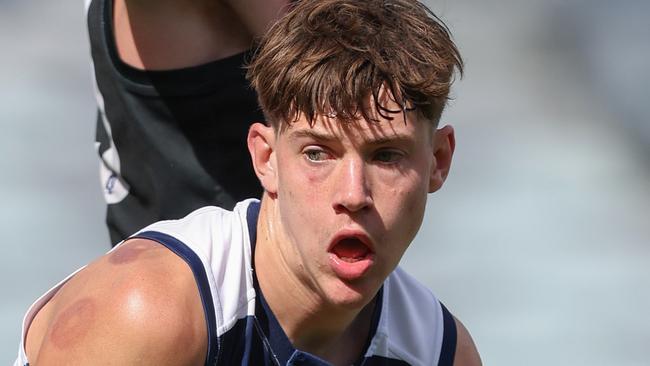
(327, 57)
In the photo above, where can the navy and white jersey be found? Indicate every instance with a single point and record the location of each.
(409, 327)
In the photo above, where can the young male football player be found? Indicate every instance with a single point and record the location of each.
(352, 92)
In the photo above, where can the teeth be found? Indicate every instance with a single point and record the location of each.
(351, 259)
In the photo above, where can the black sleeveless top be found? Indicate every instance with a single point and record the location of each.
(169, 141)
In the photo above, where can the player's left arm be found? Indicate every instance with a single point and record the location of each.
(258, 15)
(466, 352)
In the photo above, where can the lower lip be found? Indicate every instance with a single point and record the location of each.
(350, 271)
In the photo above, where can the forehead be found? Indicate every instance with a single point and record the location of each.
(386, 126)
(384, 118)
(358, 130)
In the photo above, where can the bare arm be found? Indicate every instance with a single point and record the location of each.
(258, 15)
(466, 352)
(137, 305)
(171, 34)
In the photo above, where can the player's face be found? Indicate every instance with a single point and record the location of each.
(351, 197)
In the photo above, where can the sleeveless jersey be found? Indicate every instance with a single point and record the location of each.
(409, 327)
(172, 141)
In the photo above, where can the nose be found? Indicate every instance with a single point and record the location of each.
(352, 192)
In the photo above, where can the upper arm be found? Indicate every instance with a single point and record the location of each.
(466, 352)
(138, 304)
(258, 15)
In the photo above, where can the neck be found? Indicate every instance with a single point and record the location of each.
(311, 323)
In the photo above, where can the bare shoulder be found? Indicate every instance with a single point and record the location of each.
(466, 352)
(139, 302)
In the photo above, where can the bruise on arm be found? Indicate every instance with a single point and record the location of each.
(139, 302)
(71, 325)
(128, 252)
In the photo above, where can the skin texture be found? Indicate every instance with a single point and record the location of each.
(72, 325)
(170, 34)
(117, 311)
(371, 179)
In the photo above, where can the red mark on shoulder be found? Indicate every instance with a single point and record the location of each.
(128, 252)
(73, 323)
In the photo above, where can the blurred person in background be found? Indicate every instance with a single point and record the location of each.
(352, 92)
(173, 104)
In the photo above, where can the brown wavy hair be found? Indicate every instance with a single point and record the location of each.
(326, 57)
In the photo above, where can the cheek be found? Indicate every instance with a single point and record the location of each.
(402, 207)
(306, 189)
(302, 200)
(414, 203)
(300, 192)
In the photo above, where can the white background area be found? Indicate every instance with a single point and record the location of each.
(539, 242)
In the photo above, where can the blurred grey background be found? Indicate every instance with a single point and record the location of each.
(540, 240)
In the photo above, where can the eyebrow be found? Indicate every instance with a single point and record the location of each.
(295, 135)
(325, 137)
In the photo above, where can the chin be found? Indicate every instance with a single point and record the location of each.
(352, 296)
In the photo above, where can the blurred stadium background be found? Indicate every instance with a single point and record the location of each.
(539, 242)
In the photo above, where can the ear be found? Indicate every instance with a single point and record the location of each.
(261, 142)
(444, 143)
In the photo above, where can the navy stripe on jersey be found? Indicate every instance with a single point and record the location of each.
(240, 345)
(252, 212)
(448, 349)
(188, 255)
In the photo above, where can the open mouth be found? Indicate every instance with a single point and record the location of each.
(351, 256)
(351, 250)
